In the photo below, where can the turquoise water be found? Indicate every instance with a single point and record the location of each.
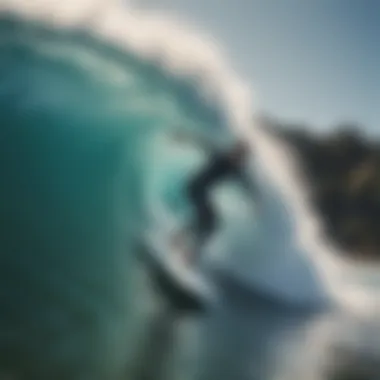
(85, 154)
(88, 164)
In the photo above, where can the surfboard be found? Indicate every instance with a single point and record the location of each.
(182, 285)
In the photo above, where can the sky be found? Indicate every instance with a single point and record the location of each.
(312, 61)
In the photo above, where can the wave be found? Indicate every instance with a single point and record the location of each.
(90, 93)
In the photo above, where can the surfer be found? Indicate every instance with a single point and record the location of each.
(221, 165)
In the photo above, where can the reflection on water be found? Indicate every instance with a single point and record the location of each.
(247, 337)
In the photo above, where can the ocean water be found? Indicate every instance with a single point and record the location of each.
(92, 95)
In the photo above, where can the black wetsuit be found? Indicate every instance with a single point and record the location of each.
(220, 167)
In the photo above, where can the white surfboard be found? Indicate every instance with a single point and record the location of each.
(174, 265)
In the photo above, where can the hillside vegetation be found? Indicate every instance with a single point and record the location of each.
(343, 169)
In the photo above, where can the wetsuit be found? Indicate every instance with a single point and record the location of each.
(220, 167)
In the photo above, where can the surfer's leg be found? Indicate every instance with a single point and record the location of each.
(192, 238)
(204, 222)
(188, 235)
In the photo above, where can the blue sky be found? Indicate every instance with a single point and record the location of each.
(308, 60)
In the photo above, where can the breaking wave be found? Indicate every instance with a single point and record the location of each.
(90, 95)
